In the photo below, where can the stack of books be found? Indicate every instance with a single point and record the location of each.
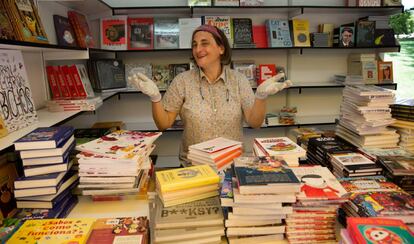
(280, 147)
(90, 104)
(178, 186)
(376, 230)
(320, 39)
(403, 112)
(399, 169)
(302, 135)
(218, 153)
(376, 197)
(365, 115)
(117, 163)
(47, 182)
(354, 164)
(193, 222)
(256, 198)
(314, 214)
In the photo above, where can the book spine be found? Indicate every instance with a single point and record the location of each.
(77, 80)
(69, 82)
(53, 83)
(62, 83)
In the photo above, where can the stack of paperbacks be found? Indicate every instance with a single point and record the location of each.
(314, 214)
(117, 163)
(177, 186)
(365, 115)
(193, 222)
(376, 230)
(375, 197)
(404, 113)
(218, 153)
(279, 146)
(256, 196)
(45, 189)
(354, 164)
(400, 170)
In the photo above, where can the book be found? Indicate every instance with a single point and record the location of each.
(378, 230)
(54, 231)
(77, 80)
(140, 33)
(18, 107)
(27, 23)
(61, 81)
(115, 230)
(39, 181)
(242, 32)
(214, 145)
(186, 27)
(391, 3)
(8, 174)
(64, 31)
(223, 23)
(110, 74)
(365, 33)
(166, 33)
(114, 32)
(133, 68)
(161, 76)
(199, 2)
(279, 146)
(259, 36)
(265, 71)
(176, 69)
(226, 2)
(300, 33)
(8, 227)
(368, 3)
(59, 209)
(385, 72)
(329, 29)
(6, 27)
(80, 26)
(248, 68)
(70, 82)
(52, 77)
(185, 178)
(251, 2)
(44, 137)
(68, 144)
(278, 33)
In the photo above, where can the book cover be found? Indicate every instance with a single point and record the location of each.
(368, 3)
(223, 23)
(166, 33)
(278, 33)
(39, 181)
(18, 110)
(27, 24)
(120, 230)
(61, 80)
(140, 33)
(346, 37)
(300, 33)
(187, 26)
(251, 2)
(83, 75)
(80, 26)
(114, 32)
(54, 231)
(226, 2)
(248, 68)
(214, 145)
(365, 33)
(110, 74)
(44, 137)
(266, 71)
(199, 2)
(184, 178)
(367, 183)
(279, 146)
(391, 3)
(379, 230)
(6, 27)
(76, 78)
(8, 227)
(64, 31)
(242, 31)
(53, 82)
(329, 29)
(161, 76)
(8, 174)
(260, 36)
(176, 69)
(385, 72)
(263, 171)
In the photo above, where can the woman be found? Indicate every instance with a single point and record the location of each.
(212, 99)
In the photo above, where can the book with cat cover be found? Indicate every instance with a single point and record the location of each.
(26, 21)
(114, 32)
(140, 33)
(64, 31)
(18, 110)
(80, 26)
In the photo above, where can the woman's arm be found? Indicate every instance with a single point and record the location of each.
(163, 119)
(255, 115)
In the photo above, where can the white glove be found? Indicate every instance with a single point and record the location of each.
(271, 86)
(146, 86)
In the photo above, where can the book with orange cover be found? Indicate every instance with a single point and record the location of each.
(80, 26)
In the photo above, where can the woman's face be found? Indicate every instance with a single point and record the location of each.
(206, 51)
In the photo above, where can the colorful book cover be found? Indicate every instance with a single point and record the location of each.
(121, 144)
(184, 178)
(368, 183)
(300, 33)
(8, 174)
(52, 231)
(114, 32)
(318, 183)
(8, 227)
(379, 230)
(18, 110)
(161, 76)
(57, 136)
(64, 31)
(242, 30)
(365, 33)
(223, 23)
(266, 71)
(260, 36)
(80, 26)
(6, 27)
(140, 33)
(278, 33)
(278, 146)
(385, 73)
(83, 74)
(263, 171)
(120, 230)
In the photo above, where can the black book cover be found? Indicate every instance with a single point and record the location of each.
(242, 31)
(110, 74)
(64, 31)
(384, 37)
(365, 33)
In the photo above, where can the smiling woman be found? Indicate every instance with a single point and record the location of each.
(212, 99)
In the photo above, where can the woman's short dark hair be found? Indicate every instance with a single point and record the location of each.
(222, 41)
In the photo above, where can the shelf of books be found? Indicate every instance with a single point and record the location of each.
(300, 85)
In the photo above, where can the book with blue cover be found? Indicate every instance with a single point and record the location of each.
(278, 33)
(39, 180)
(68, 145)
(58, 211)
(44, 137)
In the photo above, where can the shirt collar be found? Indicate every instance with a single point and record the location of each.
(222, 76)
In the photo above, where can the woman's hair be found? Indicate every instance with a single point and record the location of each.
(220, 39)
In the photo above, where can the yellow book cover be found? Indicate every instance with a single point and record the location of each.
(185, 178)
(54, 231)
(301, 36)
(169, 203)
(3, 129)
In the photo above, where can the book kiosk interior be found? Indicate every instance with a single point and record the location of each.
(82, 159)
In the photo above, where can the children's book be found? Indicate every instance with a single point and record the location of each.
(120, 230)
(64, 31)
(44, 137)
(51, 231)
(278, 146)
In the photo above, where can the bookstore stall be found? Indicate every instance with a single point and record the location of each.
(82, 160)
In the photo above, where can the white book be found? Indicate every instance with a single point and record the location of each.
(255, 231)
(42, 170)
(187, 26)
(87, 86)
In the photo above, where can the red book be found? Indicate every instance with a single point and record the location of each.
(64, 89)
(53, 82)
(140, 33)
(69, 81)
(81, 28)
(259, 36)
(266, 71)
(77, 80)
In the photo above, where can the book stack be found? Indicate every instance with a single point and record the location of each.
(302, 135)
(363, 64)
(90, 104)
(256, 196)
(117, 163)
(314, 214)
(354, 164)
(218, 153)
(376, 197)
(399, 169)
(279, 146)
(365, 115)
(47, 180)
(178, 186)
(319, 39)
(193, 222)
(378, 230)
(403, 112)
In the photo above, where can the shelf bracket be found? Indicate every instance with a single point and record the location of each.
(119, 96)
(300, 90)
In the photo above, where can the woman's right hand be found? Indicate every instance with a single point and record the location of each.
(146, 86)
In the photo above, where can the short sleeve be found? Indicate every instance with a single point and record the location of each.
(246, 92)
(174, 96)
